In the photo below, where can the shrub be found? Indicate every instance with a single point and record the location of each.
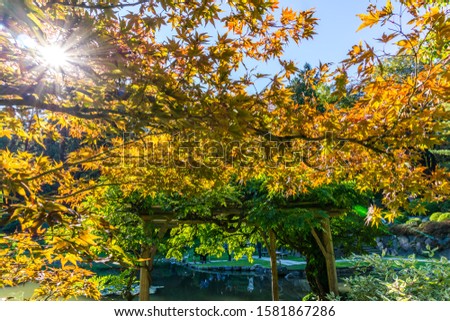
(380, 279)
(435, 216)
(440, 217)
(414, 221)
(444, 217)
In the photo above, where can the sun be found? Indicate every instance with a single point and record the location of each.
(54, 56)
(49, 55)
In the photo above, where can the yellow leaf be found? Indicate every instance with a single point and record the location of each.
(5, 133)
(21, 191)
(407, 43)
(388, 7)
(72, 258)
(83, 98)
(368, 20)
(88, 238)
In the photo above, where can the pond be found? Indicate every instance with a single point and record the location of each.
(174, 282)
(183, 283)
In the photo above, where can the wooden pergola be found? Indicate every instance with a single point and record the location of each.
(165, 220)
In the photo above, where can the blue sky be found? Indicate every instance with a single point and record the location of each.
(336, 30)
(336, 34)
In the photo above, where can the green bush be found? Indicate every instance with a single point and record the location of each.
(414, 221)
(380, 279)
(434, 217)
(440, 217)
(444, 217)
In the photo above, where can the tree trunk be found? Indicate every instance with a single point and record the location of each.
(320, 267)
(329, 257)
(149, 254)
(144, 280)
(315, 270)
(273, 265)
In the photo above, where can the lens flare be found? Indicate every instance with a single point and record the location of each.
(54, 56)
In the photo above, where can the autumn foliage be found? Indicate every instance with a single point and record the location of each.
(157, 97)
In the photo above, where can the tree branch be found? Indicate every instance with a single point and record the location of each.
(76, 111)
(85, 5)
(319, 241)
(277, 138)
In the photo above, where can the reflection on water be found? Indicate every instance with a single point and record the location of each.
(180, 283)
(24, 292)
(21, 292)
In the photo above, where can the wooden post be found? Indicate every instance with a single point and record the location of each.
(144, 279)
(148, 254)
(273, 265)
(146, 266)
(329, 257)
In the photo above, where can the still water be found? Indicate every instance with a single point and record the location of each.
(179, 283)
(182, 283)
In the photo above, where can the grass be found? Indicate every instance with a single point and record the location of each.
(265, 263)
(233, 263)
(243, 262)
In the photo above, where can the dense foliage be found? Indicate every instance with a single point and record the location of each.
(408, 279)
(155, 97)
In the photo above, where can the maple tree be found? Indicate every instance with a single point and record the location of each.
(194, 118)
(117, 77)
(377, 141)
